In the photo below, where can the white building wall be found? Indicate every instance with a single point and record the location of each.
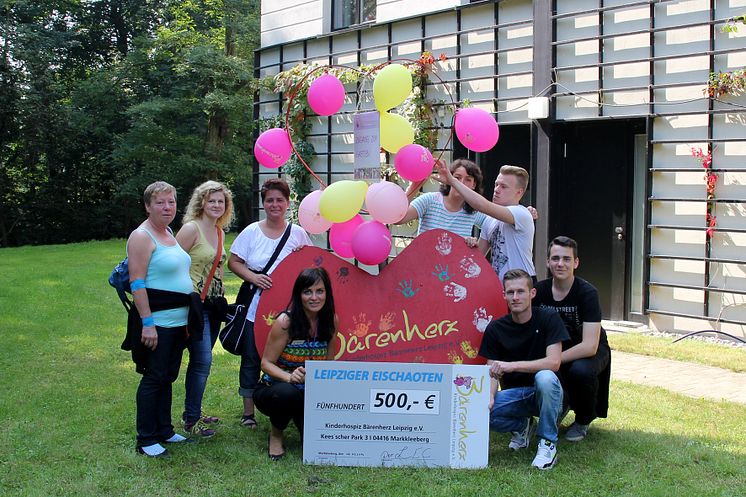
(604, 78)
(682, 123)
(283, 21)
(682, 194)
(390, 10)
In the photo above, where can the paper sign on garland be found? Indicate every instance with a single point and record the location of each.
(367, 146)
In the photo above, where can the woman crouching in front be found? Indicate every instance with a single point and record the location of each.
(302, 333)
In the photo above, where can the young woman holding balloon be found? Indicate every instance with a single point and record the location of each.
(446, 209)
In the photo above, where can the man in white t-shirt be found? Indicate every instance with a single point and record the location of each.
(509, 230)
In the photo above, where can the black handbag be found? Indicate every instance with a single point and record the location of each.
(233, 335)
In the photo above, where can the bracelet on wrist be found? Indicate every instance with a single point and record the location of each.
(137, 284)
(148, 321)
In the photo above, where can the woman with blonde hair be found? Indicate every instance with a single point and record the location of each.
(209, 212)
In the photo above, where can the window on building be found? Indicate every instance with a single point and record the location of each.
(347, 13)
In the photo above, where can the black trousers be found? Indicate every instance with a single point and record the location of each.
(585, 383)
(154, 392)
(281, 402)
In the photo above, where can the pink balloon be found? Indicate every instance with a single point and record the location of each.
(414, 162)
(340, 236)
(386, 202)
(272, 149)
(309, 216)
(326, 95)
(371, 243)
(476, 129)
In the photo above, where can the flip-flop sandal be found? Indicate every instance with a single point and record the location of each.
(248, 421)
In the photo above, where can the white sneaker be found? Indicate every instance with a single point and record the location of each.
(546, 455)
(155, 450)
(576, 432)
(521, 438)
(176, 439)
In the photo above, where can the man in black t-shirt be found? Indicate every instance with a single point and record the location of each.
(523, 350)
(586, 356)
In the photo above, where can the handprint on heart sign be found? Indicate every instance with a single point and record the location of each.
(441, 272)
(470, 267)
(405, 287)
(270, 318)
(361, 325)
(444, 245)
(386, 321)
(455, 290)
(467, 349)
(481, 319)
(454, 358)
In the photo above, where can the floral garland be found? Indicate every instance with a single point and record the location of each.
(733, 82)
(711, 179)
(723, 83)
(417, 109)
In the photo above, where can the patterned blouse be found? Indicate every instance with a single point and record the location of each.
(295, 354)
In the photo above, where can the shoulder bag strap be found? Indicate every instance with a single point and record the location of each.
(278, 249)
(218, 254)
(247, 290)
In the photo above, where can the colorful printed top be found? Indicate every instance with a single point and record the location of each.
(295, 354)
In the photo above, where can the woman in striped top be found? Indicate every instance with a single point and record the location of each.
(446, 209)
(304, 332)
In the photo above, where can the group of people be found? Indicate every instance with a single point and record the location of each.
(548, 355)
(173, 277)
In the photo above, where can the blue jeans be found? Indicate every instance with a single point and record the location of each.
(154, 392)
(248, 375)
(200, 360)
(513, 406)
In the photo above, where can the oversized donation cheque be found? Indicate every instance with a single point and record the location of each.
(396, 414)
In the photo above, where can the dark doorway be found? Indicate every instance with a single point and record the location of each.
(513, 147)
(591, 175)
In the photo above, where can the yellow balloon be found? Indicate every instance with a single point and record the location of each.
(392, 86)
(342, 200)
(395, 132)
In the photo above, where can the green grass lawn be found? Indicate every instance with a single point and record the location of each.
(709, 354)
(68, 415)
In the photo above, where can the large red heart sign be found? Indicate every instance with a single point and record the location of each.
(431, 304)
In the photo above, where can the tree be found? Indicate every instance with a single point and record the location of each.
(101, 97)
